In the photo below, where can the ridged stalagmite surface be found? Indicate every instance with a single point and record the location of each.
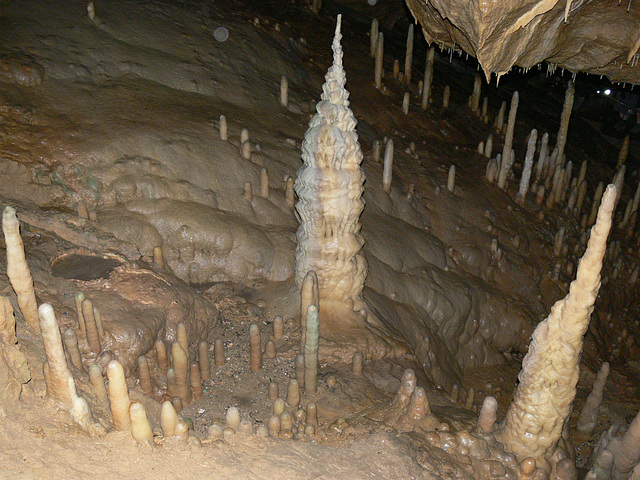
(60, 384)
(329, 186)
(17, 268)
(534, 422)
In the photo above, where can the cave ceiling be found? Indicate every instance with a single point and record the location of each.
(600, 37)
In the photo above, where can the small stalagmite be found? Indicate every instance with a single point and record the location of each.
(245, 150)
(183, 338)
(274, 425)
(312, 414)
(144, 376)
(589, 415)
(273, 391)
(140, 426)
(168, 419)
(488, 146)
(18, 269)
(446, 95)
(60, 384)
(487, 417)
(232, 417)
(244, 135)
(118, 396)
(309, 295)
(378, 60)
(451, 179)
(219, 354)
(91, 328)
(158, 258)
(181, 369)
(278, 327)
(284, 91)
(264, 183)
(542, 156)
(172, 384)
(405, 103)
(223, 128)
(248, 191)
(79, 298)
(418, 404)
(270, 350)
(375, 151)
(528, 165)
(255, 347)
(564, 119)
(203, 360)
(162, 362)
(289, 192)
(428, 79)
(97, 384)
(408, 58)
(311, 351)
(373, 37)
(196, 381)
(542, 403)
(387, 171)
(508, 142)
(293, 394)
(71, 345)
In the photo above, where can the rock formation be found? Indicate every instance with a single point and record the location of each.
(594, 37)
(329, 186)
(535, 420)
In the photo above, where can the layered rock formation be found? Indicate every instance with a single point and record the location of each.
(594, 37)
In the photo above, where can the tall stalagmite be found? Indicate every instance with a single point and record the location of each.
(535, 419)
(329, 186)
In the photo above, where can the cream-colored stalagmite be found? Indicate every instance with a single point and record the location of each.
(446, 95)
(408, 58)
(387, 169)
(18, 269)
(428, 78)
(284, 91)
(536, 417)
(508, 142)
(373, 37)
(329, 186)
(118, 396)
(528, 165)
(224, 132)
(488, 146)
(564, 119)
(60, 384)
(377, 70)
(405, 103)
(451, 179)
(140, 426)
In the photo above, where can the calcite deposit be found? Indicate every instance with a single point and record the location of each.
(201, 317)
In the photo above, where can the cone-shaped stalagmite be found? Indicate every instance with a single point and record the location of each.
(428, 78)
(60, 384)
(118, 396)
(564, 119)
(536, 417)
(18, 269)
(508, 142)
(329, 186)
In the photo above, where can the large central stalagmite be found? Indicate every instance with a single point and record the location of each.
(535, 420)
(329, 186)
